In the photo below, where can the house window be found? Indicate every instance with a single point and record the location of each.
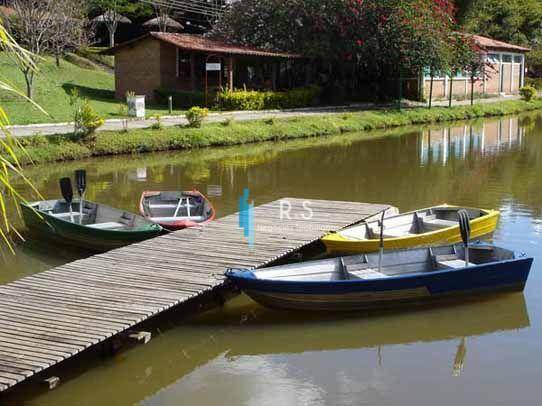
(507, 58)
(493, 58)
(517, 58)
(183, 65)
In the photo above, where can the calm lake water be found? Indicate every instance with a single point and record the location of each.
(486, 352)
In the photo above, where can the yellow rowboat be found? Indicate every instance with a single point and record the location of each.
(431, 226)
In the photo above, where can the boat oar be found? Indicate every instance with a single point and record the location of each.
(381, 223)
(67, 193)
(464, 228)
(81, 182)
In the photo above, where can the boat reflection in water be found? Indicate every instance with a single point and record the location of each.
(294, 334)
(268, 354)
(491, 137)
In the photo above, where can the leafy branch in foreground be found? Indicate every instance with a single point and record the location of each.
(10, 147)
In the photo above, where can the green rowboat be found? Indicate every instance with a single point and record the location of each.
(96, 227)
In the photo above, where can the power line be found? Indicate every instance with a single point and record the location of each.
(210, 8)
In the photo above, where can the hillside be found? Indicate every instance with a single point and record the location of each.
(52, 88)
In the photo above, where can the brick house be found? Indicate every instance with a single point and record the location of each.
(187, 62)
(506, 65)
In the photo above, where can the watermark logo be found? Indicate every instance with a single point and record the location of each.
(246, 217)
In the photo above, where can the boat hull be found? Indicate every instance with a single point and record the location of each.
(64, 232)
(489, 278)
(480, 227)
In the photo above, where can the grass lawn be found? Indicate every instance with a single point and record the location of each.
(52, 87)
(65, 147)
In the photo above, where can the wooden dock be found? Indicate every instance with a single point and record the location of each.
(54, 315)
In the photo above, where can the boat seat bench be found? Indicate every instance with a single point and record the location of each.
(449, 261)
(363, 270)
(66, 215)
(106, 226)
(440, 223)
(169, 206)
(178, 218)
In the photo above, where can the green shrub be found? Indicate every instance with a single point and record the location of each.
(534, 82)
(157, 125)
(181, 100)
(38, 140)
(227, 122)
(195, 116)
(86, 120)
(256, 100)
(528, 93)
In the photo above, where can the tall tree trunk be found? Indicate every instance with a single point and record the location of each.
(450, 91)
(57, 59)
(112, 30)
(431, 91)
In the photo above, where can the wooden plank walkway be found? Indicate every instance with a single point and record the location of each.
(53, 315)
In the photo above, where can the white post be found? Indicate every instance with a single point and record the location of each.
(522, 73)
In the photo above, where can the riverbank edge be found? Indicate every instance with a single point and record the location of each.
(42, 149)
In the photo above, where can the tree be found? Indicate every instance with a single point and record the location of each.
(70, 29)
(32, 25)
(111, 15)
(378, 39)
(515, 21)
(9, 147)
(162, 16)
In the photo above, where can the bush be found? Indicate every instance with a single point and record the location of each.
(528, 93)
(181, 100)
(86, 120)
(534, 82)
(37, 140)
(195, 116)
(157, 125)
(256, 100)
(227, 122)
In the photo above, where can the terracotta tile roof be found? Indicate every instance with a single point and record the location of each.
(195, 42)
(490, 43)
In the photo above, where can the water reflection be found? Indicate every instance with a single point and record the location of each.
(437, 146)
(356, 352)
(388, 358)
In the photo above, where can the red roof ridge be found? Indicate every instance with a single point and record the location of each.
(196, 42)
(490, 43)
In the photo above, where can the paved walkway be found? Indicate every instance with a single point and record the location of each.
(168, 121)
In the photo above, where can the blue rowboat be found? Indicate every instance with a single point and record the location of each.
(405, 276)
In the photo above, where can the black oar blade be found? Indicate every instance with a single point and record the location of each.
(66, 189)
(464, 225)
(382, 229)
(81, 181)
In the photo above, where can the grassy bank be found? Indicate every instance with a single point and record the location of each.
(61, 148)
(52, 89)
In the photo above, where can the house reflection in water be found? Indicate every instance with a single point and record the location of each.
(437, 146)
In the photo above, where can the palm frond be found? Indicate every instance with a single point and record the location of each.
(10, 147)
